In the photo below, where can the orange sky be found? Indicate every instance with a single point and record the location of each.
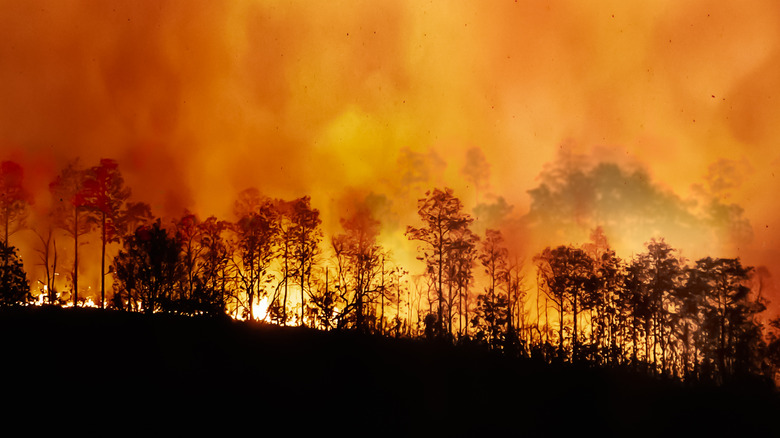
(198, 100)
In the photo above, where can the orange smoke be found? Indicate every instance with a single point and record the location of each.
(198, 100)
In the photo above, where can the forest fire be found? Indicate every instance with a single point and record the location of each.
(516, 173)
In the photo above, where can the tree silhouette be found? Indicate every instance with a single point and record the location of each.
(188, 233)
(14, 199)
(306, 235)
(567, 273)
(358, 260)
(609, 324)
(772, 354)
(657, 291)
(323, 299)
(443, 218)
(459, 276)
(147, 270)
(47, 254)
(255, 244)
(203, 259)
(517, 329)
(286, 229)
(14, 286)
(210, 292)
(67, 191)
(493, 305)
(104, 196)
(731, 335)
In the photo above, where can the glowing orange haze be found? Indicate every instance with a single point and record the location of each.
(198, 100)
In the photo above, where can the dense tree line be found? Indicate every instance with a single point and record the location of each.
(654, 312)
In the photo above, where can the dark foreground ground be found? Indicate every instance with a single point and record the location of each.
(84, 369)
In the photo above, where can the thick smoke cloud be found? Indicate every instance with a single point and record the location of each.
(199, 100)
(576, 195)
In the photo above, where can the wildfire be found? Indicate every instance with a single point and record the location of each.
(386, 101)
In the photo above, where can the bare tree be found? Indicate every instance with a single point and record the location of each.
(47, 253)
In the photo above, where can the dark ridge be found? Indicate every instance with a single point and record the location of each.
(114, 371)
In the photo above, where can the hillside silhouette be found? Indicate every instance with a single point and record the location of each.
(120, 370)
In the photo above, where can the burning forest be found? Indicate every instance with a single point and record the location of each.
(559, 182)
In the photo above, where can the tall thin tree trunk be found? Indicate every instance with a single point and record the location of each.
(7, 247)
(449, 308)
(286, 276)
(460, 312)
(382, 312)
(441, 266)
(103, 264)
(466, 307)
(546, 321)
(7, 223)
(76, 259)
(574, 323)
(560, 328)
(303, 273)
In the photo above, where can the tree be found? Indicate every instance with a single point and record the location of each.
(731, 333)
(657, 290)
(14, 286)
(104, 195)
(516, 324)
(358, 259)
(306, 235)
(690, 316)
(443, 220)
(188, 233)
(204, 260)
(772, 366)
(493, 305)
(67, 191)
(255, 244)
(567, 274)
(147, 270)
(608, 292)
(48, 254)
(14, 199)
(323, 300)
(459, 276)
(210, 292)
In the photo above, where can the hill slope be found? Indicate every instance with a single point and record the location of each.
(124, 370)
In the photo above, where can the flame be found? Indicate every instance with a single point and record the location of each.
(260, 309)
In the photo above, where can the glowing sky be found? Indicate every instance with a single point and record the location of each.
(198, 100)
